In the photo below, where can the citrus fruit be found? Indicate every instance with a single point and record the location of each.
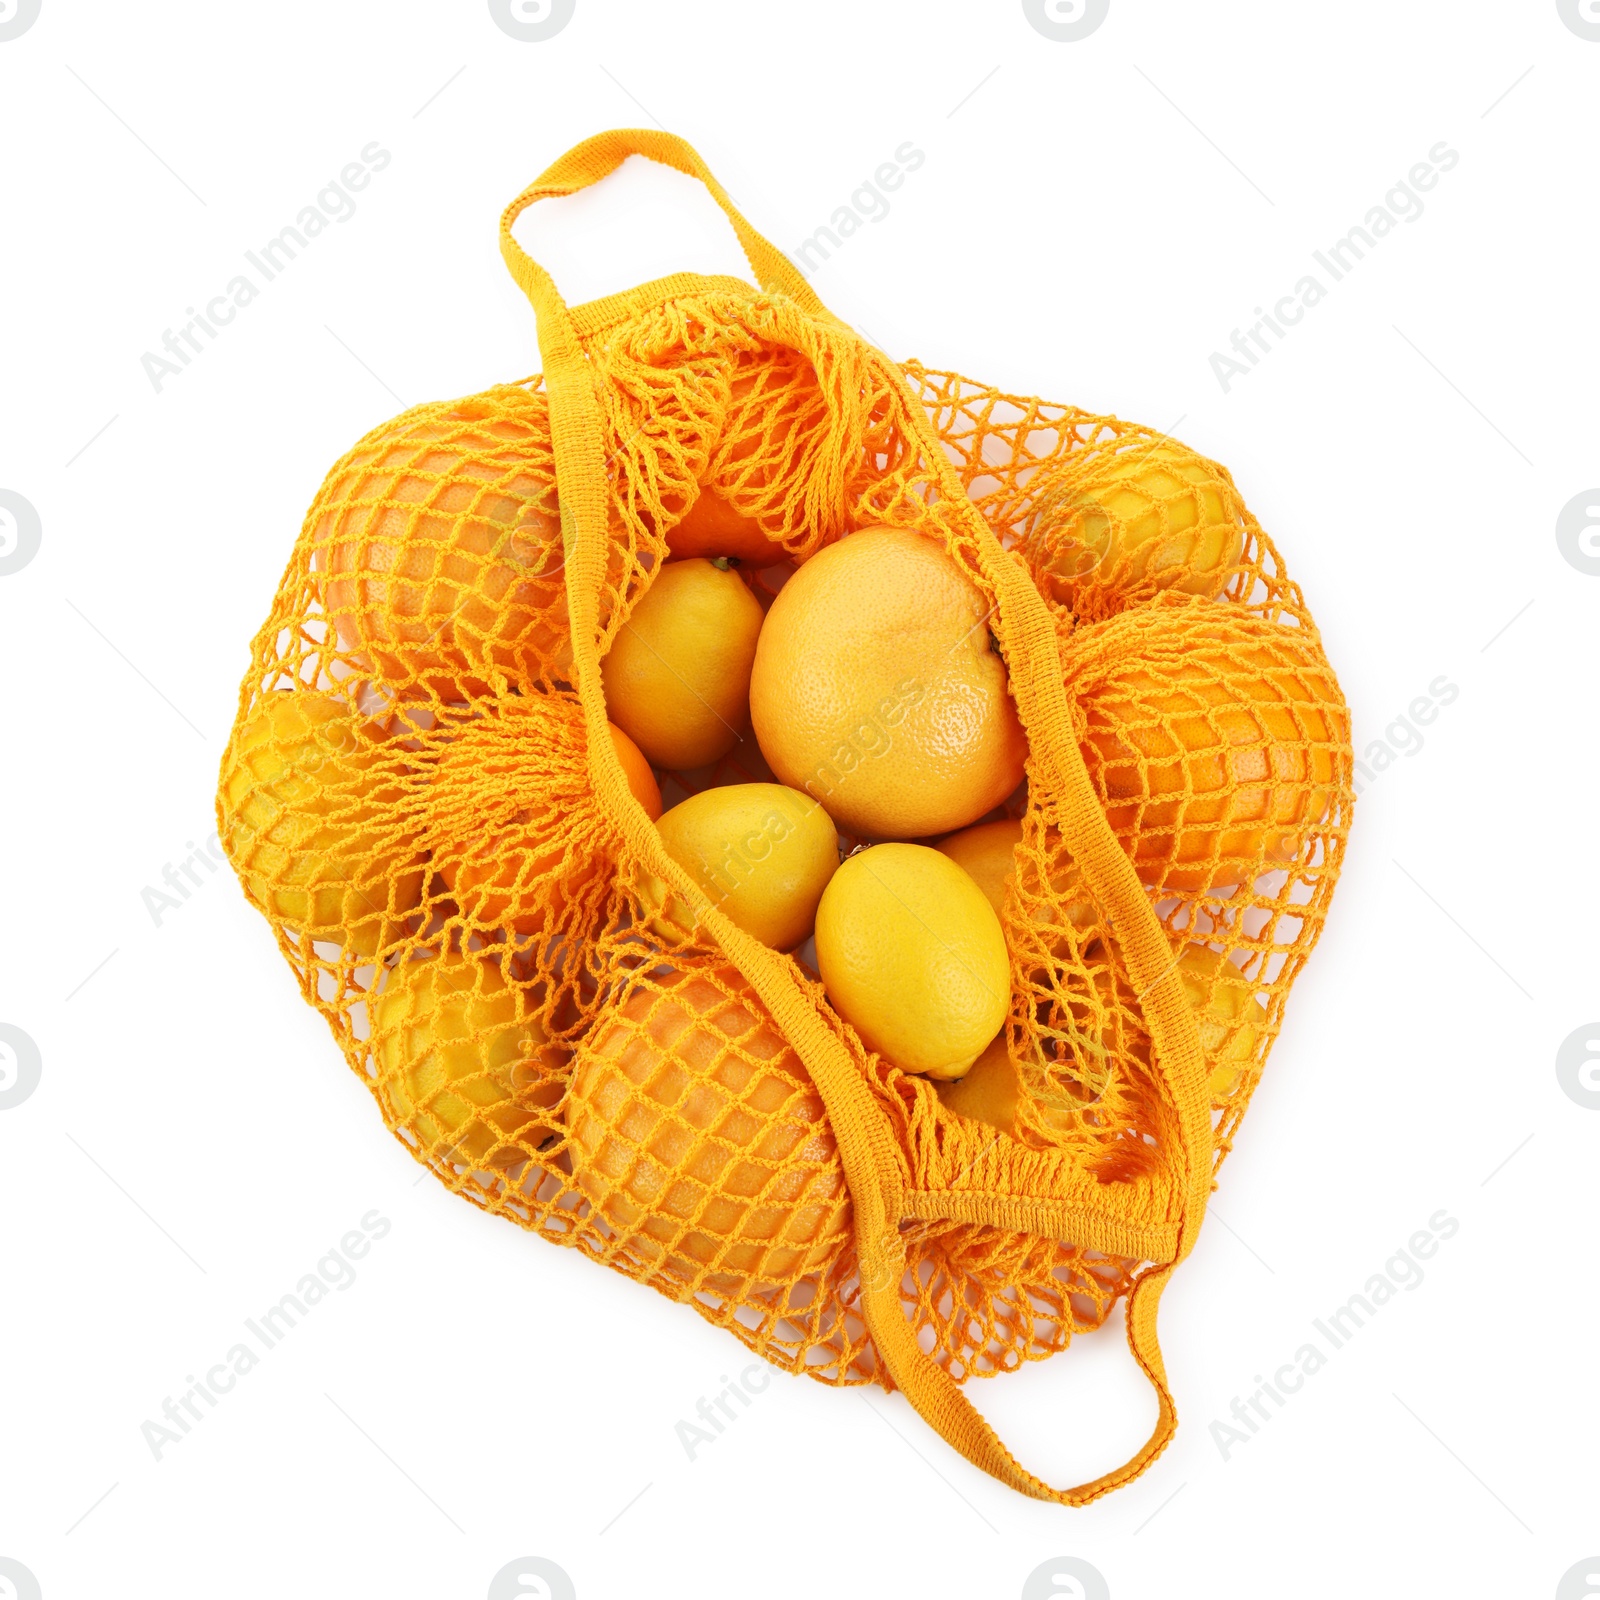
(1215, 739)
(712, 527)
(739, 482)
(877, 690)
(1091, 1090)
(512, 861)
(986, 852)
(641, 780)
(677, 676)
(912, 956)
(699, 1137)
(763, 853)
(1137, 516)
(437, 547)
(987, 1090)
(462, 1063)
(310, 810)
(1231, 1017)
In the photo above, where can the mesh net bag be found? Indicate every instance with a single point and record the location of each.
(421, 796)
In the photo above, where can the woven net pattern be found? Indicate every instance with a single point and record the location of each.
(407, 799)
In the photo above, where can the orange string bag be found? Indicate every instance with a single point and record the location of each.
(455, 847)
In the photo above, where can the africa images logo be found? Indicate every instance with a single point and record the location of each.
(532, 21)
(16, 17)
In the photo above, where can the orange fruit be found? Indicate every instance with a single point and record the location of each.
(516, 866)
(987, 853)
(1231, 1021)
(712, 527)
(696, 1133)
(739, 481)
(1136, 516)
(463, 1063)
(877, 690)
(987, 1092)
(1095, 1096)
(437, 548)
(313, 821)
(677, 675)
(641, 780)
(1218, 741)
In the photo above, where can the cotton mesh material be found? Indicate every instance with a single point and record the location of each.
(407, 799)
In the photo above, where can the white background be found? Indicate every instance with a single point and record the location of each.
(195, 1144)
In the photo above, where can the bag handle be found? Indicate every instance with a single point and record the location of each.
(870, 1157)
(598, 157)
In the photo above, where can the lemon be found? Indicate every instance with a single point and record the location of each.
(913, 958)
(1145, 515)
(464, 1065)
(313, 820)
(1231, 1018)
(763, 853)
(677, 675)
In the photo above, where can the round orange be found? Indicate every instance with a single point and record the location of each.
(1218, 741)
(699, 1137)
(641, 780)
(437, 548)
(878, 691)
(720, 520)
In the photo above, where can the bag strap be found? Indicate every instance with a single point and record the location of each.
(868, 1152)
(587, 163)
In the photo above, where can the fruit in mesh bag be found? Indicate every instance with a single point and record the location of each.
(877, 689)
(1088, 1085)
(1218, 741)
(987, 1091)
(1231, 1021)
(697, 1135)
(1135, 516)
(762, 853)
(1231, 1015)
(436, 548)
(750, 466)
(507, 811)
(913, 958)
(463, 1063)
(316, 819)
(987, 853)
(677, 675)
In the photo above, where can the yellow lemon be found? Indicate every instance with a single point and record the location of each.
(309, 820)
(913, 958)
(1231, 1018)
(677, 676)
(1147, 514)
(464, 1065)
(763, 853)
